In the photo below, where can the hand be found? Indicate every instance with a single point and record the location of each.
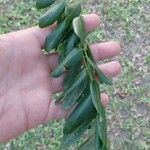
(26, 87)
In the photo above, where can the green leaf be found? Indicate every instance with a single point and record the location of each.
(88, 144)
(52, 15)
(85, 93)
(55, 38)
(60, 19)
(40, 4)
(102, 77)
(98, 144)
(101, 119)
(74, 57)
(74, 92)
(58, 71)
(89, 53)
(71, 43)
(72, 11)
(79, 28)
(61, 50)
(61, 58)
(59, 98)
(72, 73)
(95, 94)
(84, 110)
(74, 136)
(102, 128)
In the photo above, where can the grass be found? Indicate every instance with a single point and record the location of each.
(129, 109)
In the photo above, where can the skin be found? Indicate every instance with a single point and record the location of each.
(26, 87)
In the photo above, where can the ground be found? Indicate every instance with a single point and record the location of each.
(129, 111)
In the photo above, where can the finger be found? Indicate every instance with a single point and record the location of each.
(105, 50)
(91, 22)
(56, 112)
(105, 99)
(110, 69)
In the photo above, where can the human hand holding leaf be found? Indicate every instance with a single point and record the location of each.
(26, 88)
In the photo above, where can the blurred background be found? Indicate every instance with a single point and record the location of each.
(128, 114)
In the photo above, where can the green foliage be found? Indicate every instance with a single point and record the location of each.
(126, 119)
(44, 3)
(71, 59)
(52, 15)
(79, 28)
(75, 90)
(74, 129)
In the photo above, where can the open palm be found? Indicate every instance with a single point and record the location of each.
(26, 87)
